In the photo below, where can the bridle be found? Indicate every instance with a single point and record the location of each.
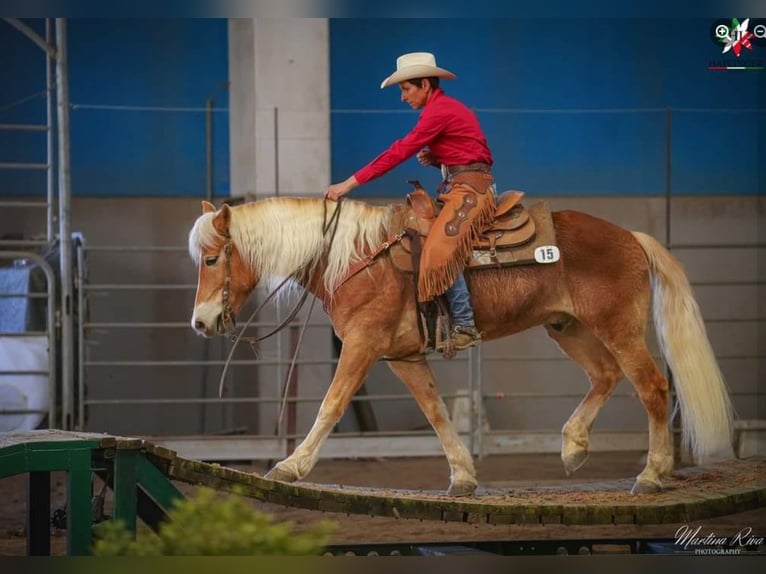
(227, 313)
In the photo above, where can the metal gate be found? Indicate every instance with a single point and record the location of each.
(47, 249)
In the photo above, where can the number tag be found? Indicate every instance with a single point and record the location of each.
(547, 254)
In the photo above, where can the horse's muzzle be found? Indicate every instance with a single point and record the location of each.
(202, 329)
(210, 320)
(216, 328)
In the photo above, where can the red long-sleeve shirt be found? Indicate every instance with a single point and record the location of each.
(447, 127)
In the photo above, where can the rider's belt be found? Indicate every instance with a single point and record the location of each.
(476, 166)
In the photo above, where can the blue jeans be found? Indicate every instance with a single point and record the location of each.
(460, 302)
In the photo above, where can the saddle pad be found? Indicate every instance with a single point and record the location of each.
(545, 235)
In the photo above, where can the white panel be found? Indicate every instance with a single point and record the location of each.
(23, 391)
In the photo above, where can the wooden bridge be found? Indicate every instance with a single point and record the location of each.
(141, 475)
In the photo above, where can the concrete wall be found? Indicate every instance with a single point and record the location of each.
(525, 363)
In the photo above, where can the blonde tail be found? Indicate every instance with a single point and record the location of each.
(706, 410)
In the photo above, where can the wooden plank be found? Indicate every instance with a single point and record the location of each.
(692, 493)
(128, 443)
(49, 435)
(533, 506)
(159, 451)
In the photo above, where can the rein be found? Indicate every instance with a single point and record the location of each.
(227, 314)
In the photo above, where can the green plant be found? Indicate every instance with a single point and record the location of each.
(213, 525)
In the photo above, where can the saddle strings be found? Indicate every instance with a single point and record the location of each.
(334, 219)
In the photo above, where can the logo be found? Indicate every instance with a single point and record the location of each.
(737, 36)
(736, 39)
(690, 540)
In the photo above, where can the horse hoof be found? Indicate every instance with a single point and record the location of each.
(280, 474)
(573, 462)
(461, 489)
(646, 487)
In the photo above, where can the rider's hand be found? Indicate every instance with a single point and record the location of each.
(425, 157)
(338, 190)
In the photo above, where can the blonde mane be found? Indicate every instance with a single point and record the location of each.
(281, 236)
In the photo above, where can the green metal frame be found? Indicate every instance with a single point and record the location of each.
(140, 488)
(39, 459)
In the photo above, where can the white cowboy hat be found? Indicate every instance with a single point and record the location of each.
(416, 65)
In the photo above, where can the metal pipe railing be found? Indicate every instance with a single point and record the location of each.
(47, 45)
(65, 230)
(477, 397)
(23, 128)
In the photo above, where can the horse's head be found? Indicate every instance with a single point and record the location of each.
(225, 281)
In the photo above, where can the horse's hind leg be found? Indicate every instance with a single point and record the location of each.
(354, 363)
(579, 343)
(419, 379)
(605, 364)
(652, 388)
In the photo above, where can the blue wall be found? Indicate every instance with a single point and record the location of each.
(164, 64)
(540, 88)
(538, 85)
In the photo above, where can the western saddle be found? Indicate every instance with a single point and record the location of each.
(511, 226)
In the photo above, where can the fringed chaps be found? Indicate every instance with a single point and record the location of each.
(468, 207)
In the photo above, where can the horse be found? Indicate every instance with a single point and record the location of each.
(596, 302)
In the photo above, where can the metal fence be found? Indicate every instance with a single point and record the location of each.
(26, 251)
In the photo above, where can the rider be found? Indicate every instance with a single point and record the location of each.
(447, 135)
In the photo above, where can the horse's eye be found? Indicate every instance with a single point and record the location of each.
(209, 261)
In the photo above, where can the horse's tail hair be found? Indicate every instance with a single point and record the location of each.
(702, 396)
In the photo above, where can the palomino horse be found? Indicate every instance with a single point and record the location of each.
(594, 302)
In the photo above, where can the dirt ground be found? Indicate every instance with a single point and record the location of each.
(415, 473)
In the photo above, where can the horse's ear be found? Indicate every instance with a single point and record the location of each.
(222, 219)
(207, 207)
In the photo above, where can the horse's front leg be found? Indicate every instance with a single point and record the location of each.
(419, 379)
(355, 361)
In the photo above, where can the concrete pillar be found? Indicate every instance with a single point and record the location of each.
(242, 161)
(279, 101)
(279, 106)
